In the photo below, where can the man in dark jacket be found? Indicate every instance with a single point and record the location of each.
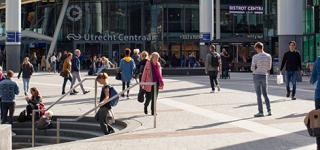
(8, 90)
(292, 60)
(75, 68)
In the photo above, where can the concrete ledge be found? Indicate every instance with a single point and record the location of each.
(6, 137)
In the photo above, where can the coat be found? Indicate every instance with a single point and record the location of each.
(127, 67)
(146, 76)
(315, 77)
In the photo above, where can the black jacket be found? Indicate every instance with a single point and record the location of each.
(292, 60)
(26, 70)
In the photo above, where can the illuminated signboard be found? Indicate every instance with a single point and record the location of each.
(238, 9)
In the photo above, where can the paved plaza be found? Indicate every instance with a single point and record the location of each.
(190, 117)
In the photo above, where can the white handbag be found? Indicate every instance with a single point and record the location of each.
(279, 79)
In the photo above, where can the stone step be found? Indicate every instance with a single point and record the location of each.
(42, 139)
(63, 132)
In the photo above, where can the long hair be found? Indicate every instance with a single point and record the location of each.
(154, 55)
(26, 60)
(36, 91)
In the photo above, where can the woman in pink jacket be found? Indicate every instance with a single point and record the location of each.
(152, 73)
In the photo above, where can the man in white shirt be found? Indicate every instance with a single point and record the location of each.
(53, 60)
(261, 65)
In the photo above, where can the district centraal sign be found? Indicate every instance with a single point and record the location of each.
(108, 37)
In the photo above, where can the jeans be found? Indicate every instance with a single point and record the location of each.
(54, 67)
(76, 75)
(261, 84)
(150, 97)
(213, 75)
(26, 82)
(124, 86)
(65, 82)
(291, 76)
(317, 106)
(104, 120)
(7, 106)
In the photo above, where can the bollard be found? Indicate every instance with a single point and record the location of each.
(155, 104)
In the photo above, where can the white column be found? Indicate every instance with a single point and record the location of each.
(98, 17)
(218, 23)
(290, 23)
(206, 10)
(6, 137)
(13, 31)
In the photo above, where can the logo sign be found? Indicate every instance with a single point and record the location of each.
(109, 37)
(206, 37)
(74, 13)
(238, 9)
(190, 37)
(13, 37)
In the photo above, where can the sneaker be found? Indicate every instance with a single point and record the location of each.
(127, 96)
(122, 95)
(259, 115)
(293, 98)
(218, 88)
(212, 91)
(86, 92)
(63, 93)
(73, 93)
(269, 113)
(288, 94)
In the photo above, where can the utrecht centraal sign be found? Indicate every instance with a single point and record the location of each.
(109, 37)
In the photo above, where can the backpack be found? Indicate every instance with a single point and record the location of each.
(312, 122)
(113, 92)
(215, 60)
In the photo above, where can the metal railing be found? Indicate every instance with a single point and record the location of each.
(72, 89)
(110, 99)
(93, 109)
(60, 99)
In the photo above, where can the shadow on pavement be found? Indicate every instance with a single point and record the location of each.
(255, 104)
(283, 142)
(214, 124)
(293, 116)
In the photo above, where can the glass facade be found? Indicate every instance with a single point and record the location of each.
(106, 27)
(311, 40)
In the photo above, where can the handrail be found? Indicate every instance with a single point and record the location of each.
(56, 102)
(110, 99)
(103, 103)
(72, 89)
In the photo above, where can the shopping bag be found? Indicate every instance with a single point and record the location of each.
(279, 79)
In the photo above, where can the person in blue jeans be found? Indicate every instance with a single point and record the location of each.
(260, 66)
(27, 71)
(292, 61)
(315, 77)
(127, 66)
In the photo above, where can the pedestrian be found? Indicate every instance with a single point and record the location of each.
(152, 73)
(33, 103)
(34, 61)
(137, 58)
(225, 64)
(292, 61)
(43, 63)
(260, 66)
(142, 63)
(59, 61)
(105, 64)
(127, 66)
(27, 71)
(66, 72)
(8, 90)
(76, 72)
(2, 77)
(212, 67)
(105, 115)
(53, 63)
(315, 79)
